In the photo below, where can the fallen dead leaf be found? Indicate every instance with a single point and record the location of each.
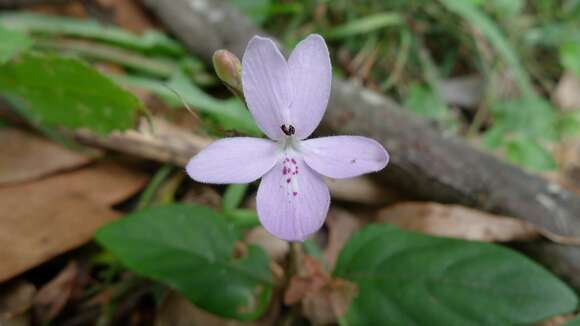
(567, 154)
(323, 298)
(341, 226)
(461, 222)
(44, 218)
(64, 8)
(203, 195)
(557, 320)
(166, 143)
(15, 299)
(361, 190)
(24, 157)
(567, 92)
(175, 310)
(53, 296)
(131, 16)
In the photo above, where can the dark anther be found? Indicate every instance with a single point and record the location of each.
(289, 131)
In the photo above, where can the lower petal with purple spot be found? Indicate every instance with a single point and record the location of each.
(292, 200)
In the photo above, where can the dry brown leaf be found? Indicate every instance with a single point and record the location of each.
(42, 219)
(24, 156)
(461, 222)
(341, 226)
(15, 299)
(175, 310)
(131, 16)
(53, 296)
(361, 190)
(556, 320)
(567, 92)
(203, 195)
(567, 154)
(64, 8)
(323, 298)
(277, 249)
(166, 143)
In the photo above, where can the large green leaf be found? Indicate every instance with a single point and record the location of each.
(68, 92)
(150, 42)
(191, 248)
(12, 43)
(406, 278)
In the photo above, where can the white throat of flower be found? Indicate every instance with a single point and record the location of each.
(290, 158)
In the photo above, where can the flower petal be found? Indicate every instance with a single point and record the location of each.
(344, 156)
(233, 160)
(266, 84)
(311, 75)
(292, 200)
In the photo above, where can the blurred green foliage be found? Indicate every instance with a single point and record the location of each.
(405, 49)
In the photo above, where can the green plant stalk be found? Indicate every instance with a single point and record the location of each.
(365, 25)
(480, 20)
(150, 41)
(158, 67)
(233, 196)
(155, 183)
(400, 61)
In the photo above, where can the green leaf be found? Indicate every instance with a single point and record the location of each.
(13, 42)
(229, 114)
(67, 92)
(528, 153)
(569, 124)
(234, 195)
(573, 322)
(475, 16)
(570, 56)
(406, 278)
(190, 248)
(150, 41)
(533, 117)
(507, 8)
(364, 25)
(423, 101)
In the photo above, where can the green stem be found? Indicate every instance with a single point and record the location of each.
(160, 176)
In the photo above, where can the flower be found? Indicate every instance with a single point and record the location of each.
(287, 99)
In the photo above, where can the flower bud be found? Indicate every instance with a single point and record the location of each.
(229, 69)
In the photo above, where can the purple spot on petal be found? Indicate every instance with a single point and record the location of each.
(293, 161)
(353, 161)
(295, 193)
(284, 171)
(288, 180)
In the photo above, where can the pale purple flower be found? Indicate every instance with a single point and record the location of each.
(288, 99)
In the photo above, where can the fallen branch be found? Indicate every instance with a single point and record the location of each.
(423, 162)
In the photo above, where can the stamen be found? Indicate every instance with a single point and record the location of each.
(288, 130)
